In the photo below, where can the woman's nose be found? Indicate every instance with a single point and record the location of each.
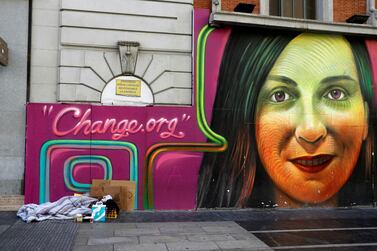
(310, 131)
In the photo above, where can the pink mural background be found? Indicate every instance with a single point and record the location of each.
(175, 174)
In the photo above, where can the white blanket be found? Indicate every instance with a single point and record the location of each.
(65, 208)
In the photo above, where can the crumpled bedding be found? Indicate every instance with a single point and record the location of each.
(64, 208)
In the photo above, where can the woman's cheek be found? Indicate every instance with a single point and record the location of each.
(272, 133)
(347, 127)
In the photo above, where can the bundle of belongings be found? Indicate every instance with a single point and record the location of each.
(109, 197)
(65, 208)
(121, 191)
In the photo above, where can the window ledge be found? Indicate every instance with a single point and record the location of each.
(234, 18)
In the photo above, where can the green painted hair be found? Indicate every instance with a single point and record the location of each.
(227, 179)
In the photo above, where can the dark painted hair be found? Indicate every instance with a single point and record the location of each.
(236, 178)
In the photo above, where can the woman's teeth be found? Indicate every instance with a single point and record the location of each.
(313, 162)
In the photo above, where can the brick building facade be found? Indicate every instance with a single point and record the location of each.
(343, 9)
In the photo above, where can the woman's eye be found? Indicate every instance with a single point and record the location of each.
(279, 96)
(335, 94)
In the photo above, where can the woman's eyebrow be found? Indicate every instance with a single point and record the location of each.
(336, 78)
(283, 79)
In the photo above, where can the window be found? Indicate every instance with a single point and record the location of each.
(293, 8)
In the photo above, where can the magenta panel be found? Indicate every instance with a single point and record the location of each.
(117, 141)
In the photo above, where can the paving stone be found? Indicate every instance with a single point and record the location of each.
(168, 224)
(137, 231)
(96, 232)
(93, 248)
(140, 247)
(80, 240)
(210, 237)
(181, 230)
(113, 240)
(106, 225)
(221, 229)
(161, 238)
(241, 245)
(190, 245)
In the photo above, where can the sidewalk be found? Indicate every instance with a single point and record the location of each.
(223, 235)
(251, 229)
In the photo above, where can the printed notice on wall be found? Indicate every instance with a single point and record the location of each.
(129, 88)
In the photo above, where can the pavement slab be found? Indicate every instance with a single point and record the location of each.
(181, 230)
(172, 236)
(93, 248)
(161, 238)
(210, 237)
(113, 240)
(141, 247)
(137, 231)
(242, 245)
(191, 245)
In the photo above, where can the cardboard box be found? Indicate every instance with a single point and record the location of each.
(122, 191)
(128, 197)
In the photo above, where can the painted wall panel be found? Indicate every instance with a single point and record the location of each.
(279, 119)
(121, 135)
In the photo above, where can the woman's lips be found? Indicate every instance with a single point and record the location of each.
(313, 164)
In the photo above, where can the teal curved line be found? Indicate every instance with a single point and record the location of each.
(44, 163)
(73, 161)
(107, 170)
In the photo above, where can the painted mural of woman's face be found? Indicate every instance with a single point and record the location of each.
(311, 118)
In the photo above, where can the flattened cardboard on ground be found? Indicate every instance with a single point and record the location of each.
(122, 191)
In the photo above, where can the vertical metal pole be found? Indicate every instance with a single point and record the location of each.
(324, 10)
(264, 7)
(372, 11)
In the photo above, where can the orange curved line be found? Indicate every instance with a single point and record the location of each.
(156, 149)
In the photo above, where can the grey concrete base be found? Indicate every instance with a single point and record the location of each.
(11, 187)
(172, 236)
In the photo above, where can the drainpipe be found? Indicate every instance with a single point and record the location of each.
(371, 9)
(3, 52)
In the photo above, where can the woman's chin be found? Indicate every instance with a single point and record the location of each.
(308, 199)
(315, 194)
(307, 192)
